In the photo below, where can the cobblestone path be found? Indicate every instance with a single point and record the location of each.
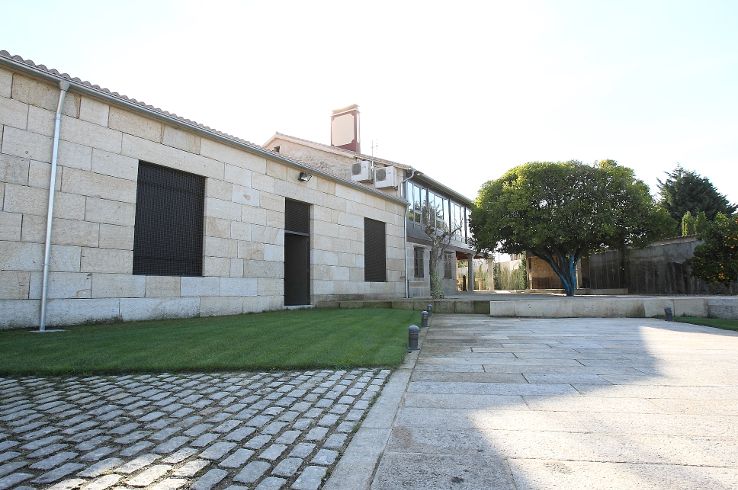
(229, 430)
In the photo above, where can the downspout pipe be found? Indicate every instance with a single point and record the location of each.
(404, 228)
(64, 86)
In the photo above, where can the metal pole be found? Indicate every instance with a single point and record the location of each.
(404, 231)
(64, 86)
(404, 249)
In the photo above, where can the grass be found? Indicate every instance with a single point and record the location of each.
(709, 322)
(304, 339)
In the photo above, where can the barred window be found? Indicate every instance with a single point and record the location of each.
(375, 251)
(168, 233)
(419, 262)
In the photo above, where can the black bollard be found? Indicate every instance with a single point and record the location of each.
(424, 319)
(429, 309)
(669, 314)
(412, 337)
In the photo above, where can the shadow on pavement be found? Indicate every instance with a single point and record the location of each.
(567, 403)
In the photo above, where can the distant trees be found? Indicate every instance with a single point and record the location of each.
(692, 225)
(511, 279)
(709, 215)
(686, 191)
(560, 211)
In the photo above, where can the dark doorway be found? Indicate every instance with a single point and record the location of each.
(296, 253)
(296, 269)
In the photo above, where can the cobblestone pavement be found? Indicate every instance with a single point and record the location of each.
(229, 430)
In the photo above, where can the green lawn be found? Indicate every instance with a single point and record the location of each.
(302, 339)
(709, 322)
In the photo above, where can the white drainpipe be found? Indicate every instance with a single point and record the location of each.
(64, 86)
(404, 235)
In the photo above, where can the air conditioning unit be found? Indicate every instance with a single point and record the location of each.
(361, 171)
(386, 177)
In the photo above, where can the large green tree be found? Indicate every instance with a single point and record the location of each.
(561, 211)
(716, 258)
(686, 191)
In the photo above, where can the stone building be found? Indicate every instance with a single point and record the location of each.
(343, 158)
(157, 216)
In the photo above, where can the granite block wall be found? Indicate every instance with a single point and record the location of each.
(94, 218)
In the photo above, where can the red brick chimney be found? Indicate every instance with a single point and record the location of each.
(345, 128)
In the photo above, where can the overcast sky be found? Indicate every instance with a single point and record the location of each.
(461, 90)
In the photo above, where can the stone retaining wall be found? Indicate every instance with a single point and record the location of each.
(616, 307)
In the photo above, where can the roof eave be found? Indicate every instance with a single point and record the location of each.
(351, 154)
(460, 197)
(78, 86)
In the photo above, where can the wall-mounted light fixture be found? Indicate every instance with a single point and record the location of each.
(304, 177)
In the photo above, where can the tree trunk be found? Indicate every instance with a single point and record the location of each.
(436, 284)
(565, 268)
(568, 280)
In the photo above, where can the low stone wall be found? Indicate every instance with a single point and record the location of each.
(439, 306)
(614, 307)
(562, 307)
(722, 308)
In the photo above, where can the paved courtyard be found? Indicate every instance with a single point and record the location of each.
(231, 430)
(487, 404)
(566, 403)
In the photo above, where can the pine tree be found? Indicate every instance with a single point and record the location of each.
(686, 191)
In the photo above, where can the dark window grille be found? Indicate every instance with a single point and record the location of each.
(296, 217)
(375, 251)
(168, 233)
(419, 262)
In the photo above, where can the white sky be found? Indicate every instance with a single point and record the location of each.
(461, 90)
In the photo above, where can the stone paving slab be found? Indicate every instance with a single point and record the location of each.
(584, 403)
(254, 430)
(594, 474)
(426, 471)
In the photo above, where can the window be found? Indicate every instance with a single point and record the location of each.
(375, 251)
(419, 262)
(438, 210)
(450, 266)
(442, 220)
(415, 196)
(467, 231)
(458, 223)
(168, 232)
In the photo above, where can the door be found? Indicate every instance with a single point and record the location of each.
(296, 253)
(296, 269)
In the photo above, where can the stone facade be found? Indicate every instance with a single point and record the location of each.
(338, 161)
(419, 287)
(335, 163)
(91, 275)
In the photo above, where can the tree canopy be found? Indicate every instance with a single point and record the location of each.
(560, 211)
(686, 191)
(716, 259)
